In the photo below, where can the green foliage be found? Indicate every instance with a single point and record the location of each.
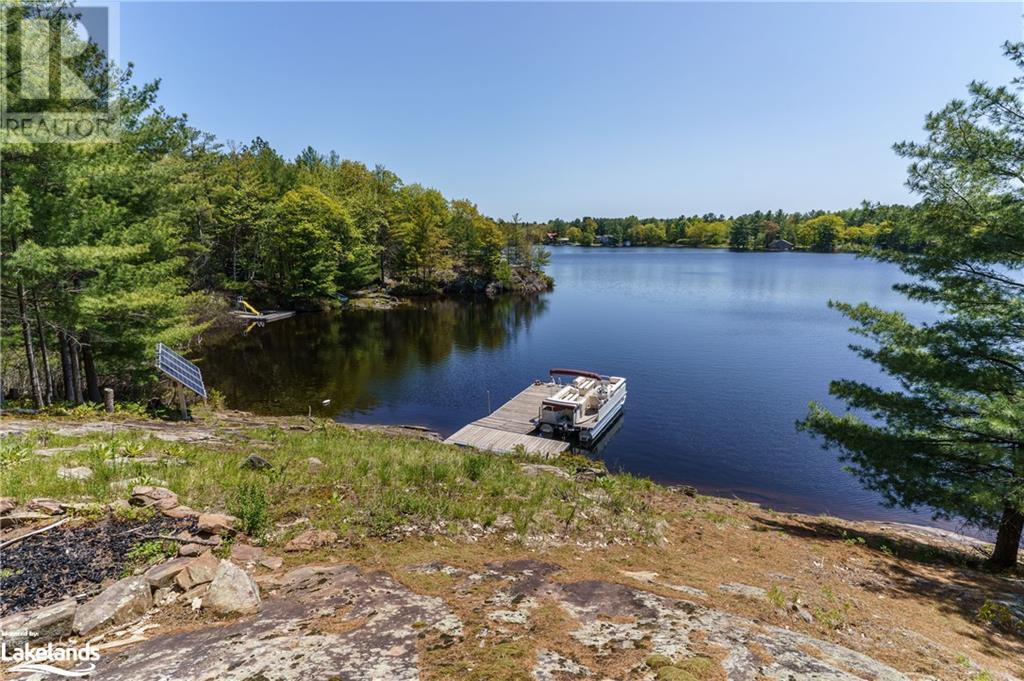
(306, 240)
(134, 514)
(13, 453)
(821, 233)
(148, 553)
(949, 436)
(999, 616)
(251, 506)
(776, 597)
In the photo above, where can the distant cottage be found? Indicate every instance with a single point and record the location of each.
(779, 245)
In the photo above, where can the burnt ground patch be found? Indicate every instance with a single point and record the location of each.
(70, 561)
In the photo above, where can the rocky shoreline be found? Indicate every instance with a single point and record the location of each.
(721, 590)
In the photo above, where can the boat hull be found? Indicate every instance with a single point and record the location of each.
(607, 415)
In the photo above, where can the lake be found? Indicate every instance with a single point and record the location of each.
(722, 351)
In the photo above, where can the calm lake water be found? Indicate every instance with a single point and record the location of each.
(722, 351)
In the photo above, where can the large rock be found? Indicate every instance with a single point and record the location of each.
(607, 618)
(216, 523)
(197, 571)
(311, 539)
(124, 602)
(47, 624)
(163, 575)
(157, 497)
(232, 591)
(320, 623)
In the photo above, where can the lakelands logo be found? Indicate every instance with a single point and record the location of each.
(30, 660)
(59, 73)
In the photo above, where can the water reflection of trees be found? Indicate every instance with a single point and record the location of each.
(288, 365)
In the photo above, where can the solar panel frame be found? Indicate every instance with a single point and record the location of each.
(180, 369)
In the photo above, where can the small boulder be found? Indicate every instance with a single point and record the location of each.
(272, 562)
(216, 523)
(47, 506)
(314, 463)
(191, 550)
(232, 591)
(76, 473)
(246, 555)
(181, 511)
(158, 497)
(46, 624)
(163, 575)
(164, 596)
(120, 603)
(199, 570)
(587, 473)
(256, 463)
(7, 504)
(311, 539)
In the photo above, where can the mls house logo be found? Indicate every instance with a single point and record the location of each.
(59, 72)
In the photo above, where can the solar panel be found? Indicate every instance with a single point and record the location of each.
(180, 369)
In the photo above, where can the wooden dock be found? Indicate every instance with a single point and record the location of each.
(510, 426)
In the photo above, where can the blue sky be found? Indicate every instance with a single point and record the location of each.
(563, 110)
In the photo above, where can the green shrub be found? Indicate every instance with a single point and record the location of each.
(776, 597)
(251, 506)
(998, 615)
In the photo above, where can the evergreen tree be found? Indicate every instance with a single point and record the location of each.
(952, 436)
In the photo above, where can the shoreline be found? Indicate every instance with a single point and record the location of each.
(516, 557)
(233, 422)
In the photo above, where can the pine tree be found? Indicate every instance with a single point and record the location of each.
(952, 436)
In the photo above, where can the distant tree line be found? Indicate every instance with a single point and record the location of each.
(869, 226)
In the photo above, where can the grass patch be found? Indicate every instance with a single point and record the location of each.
(148, 553)
(371, 484)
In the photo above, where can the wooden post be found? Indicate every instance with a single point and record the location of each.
(181, 401)
(108, 399)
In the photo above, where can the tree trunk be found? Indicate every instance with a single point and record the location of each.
(1008, 539)
(65, 366)
(76, 371)
(41, 330)
(30, 355)
(89, 362)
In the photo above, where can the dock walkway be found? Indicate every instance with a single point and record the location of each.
(510, 426)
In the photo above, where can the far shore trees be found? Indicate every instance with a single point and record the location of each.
(951, 435)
